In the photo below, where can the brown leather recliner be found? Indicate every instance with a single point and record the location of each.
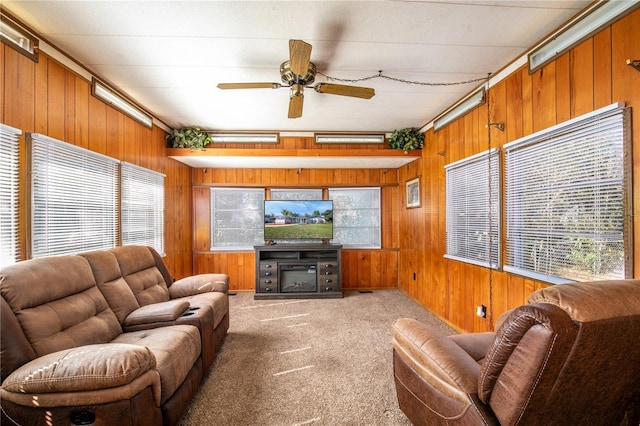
(569, 356)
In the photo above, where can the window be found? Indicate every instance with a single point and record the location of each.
(296, 194)
(237, 216)
(568, 200)
(356, 217)
(473, 209)
(9, 163)
(142, 207)
(74, 198)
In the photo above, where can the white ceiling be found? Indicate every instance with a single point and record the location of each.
(169, 55)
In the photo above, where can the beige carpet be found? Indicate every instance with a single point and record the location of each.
(307, 362)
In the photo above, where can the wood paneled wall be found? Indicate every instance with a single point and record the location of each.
(47, 98)
(361, 269)
(590, 76)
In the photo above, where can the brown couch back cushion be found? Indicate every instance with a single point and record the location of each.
(111, 283)
(138, 268)
(57, 303)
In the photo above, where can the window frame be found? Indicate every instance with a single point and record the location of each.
(464, 231)
(258, 229)
(9, 194)
(94, 189)
(337, 211)
(588, 130)
(142, 209)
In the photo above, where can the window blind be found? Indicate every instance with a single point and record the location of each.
(237, 218)
(567, 191)
(9, 201)
(73, 198)
(356, 217)
(142, 206)
(473, 209)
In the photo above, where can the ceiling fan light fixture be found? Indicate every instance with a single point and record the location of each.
(289, 77)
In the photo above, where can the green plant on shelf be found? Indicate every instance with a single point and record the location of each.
(189, 137)
(406, 139)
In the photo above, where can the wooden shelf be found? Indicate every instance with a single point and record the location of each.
(293, 158)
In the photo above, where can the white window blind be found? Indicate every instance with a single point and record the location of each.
(74, 198)
(473, 209)
(237, 218)
(567, 200)
(356, 217)
(9, 163)
(296, 194)
(142, 207)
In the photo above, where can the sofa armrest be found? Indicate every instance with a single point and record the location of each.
(436, 358)
(156, 313)
(197, 284)
(84, 368)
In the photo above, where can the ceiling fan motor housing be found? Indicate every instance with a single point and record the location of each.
(290, 78)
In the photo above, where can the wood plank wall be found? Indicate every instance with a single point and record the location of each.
(361, 269)
(47, 98)
(592, 75)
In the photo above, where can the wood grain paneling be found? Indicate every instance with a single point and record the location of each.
(592, 75)
(47, 98)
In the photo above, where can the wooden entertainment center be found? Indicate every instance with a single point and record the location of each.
(298, 271)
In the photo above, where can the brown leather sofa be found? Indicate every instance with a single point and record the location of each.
(72, 355)
(569, 356)
(143, 295)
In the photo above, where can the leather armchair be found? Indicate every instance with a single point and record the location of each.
(570, 355)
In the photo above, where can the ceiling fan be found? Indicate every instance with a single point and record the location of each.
(299, 72)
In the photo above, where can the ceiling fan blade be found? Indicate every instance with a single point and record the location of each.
(225, 86)
(343, 90)
(299, 56)
(296, 99)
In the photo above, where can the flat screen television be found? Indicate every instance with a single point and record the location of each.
(298, 220)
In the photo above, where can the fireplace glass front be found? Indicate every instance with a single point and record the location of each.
(298, 278)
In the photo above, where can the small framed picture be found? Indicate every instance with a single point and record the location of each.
(413, 192)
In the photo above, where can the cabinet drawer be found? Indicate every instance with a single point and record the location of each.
(267, 286)
(268, 266)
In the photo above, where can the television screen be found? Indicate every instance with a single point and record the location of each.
(298, 220)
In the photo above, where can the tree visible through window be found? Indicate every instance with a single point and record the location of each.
(567, 191)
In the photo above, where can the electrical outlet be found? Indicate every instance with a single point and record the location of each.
(481, 311)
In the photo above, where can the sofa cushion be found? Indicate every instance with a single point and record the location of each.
(176, 349)
(84, 368)
(63, 307)
(139, 270)
(115, 289)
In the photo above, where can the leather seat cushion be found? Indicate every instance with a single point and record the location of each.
(176, 349)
